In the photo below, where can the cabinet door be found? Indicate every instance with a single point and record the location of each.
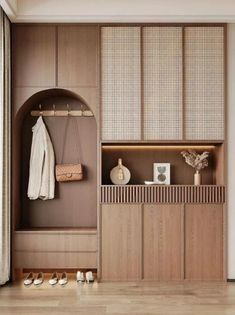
(204, 242)
(120, 81)
(163, 242)
(34, 56)
(162, 83)
(204, 83)
(78, 56)
(121, 242)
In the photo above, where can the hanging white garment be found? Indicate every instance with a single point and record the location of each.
(42, 164)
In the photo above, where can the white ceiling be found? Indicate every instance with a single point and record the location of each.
(119, 10)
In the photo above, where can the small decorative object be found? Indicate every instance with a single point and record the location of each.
(161, 173)
(120, 175)
(197, 161)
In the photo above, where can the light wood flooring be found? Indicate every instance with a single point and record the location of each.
(120, 298)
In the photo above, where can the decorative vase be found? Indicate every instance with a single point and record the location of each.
(197, 178)
(120, 175)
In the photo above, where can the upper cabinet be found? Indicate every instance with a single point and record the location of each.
(204, 83)
(162, 83)
(55, 56)
(34, 55)
(78, 56)
(121, 83)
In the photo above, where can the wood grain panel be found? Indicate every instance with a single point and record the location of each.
(78, 56)
(121, 242)
(34, 55)
(55, 241)
(54, 260)
(162, 242)
(204, 242)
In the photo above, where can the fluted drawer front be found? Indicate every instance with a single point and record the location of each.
(162, 194)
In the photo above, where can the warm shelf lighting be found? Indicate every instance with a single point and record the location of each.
(157, 147)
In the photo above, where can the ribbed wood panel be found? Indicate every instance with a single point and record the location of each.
(204, 83)
(120, 80)
(162, 194)
(162, 80)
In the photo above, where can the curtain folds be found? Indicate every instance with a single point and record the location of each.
(5, 148)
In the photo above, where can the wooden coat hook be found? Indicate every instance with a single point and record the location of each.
(62, 113)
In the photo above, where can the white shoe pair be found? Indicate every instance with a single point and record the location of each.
(55, 279)
(81, 278)
(32, 279)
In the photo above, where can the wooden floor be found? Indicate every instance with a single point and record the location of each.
(120, 298)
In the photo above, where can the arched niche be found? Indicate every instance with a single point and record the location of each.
(75, 203)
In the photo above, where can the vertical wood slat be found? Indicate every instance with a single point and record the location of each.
(162, 194)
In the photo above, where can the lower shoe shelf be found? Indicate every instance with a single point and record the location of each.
(55, 248)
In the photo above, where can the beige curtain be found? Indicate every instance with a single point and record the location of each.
(5, 148)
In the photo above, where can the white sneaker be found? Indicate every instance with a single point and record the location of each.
(89, 277)
(80, 276)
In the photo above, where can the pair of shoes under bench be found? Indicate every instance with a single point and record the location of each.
(81, 278)
(55, 279)
(35, 280)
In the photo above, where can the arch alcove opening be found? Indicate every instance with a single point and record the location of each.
(75, 203)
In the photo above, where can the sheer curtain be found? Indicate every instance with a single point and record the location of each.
(5, 148)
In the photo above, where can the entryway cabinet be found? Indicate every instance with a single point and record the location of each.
(162, 82)
(162, 241)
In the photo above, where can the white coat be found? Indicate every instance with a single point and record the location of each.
(42, 164)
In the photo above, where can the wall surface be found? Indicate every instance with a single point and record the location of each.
(231, 151)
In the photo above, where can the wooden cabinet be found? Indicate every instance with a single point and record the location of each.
(121, 88)
(78, 56)
(34, 56)
(171, 87)
(37, 249)
(204, 242)
(163, 242)
(121, 242)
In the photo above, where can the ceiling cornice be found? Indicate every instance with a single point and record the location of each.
(8, 8)
(123, 19)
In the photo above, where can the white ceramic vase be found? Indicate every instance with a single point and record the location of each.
(197, 178)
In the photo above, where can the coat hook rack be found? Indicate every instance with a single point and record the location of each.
(62, 113)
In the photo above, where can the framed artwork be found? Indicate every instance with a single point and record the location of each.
(161, 173)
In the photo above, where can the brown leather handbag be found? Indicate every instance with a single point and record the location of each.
(68, 172)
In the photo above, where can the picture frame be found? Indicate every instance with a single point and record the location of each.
(161, 173)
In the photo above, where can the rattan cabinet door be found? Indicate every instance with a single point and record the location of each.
(162, 83)
(120, 83)
(204, 83)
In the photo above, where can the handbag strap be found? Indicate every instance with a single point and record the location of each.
(77, 138)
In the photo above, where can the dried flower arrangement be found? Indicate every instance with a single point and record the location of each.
(197, 161)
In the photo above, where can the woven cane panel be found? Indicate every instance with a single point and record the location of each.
(204, 83)
(162, 69)
(120, 58)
